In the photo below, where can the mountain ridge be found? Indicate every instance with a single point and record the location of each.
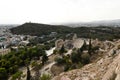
(114, 23)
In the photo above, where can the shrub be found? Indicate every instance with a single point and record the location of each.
(59, 60)
(75, 57)
(85, 58)
(66, 67)
(80, 65)
(3, 74)
(62, 50)
(17, 75)
(33, 64)
(118, 46)
(55, 51)
(73, 66)
(45, 77)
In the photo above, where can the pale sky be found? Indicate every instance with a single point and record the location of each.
(57, 11)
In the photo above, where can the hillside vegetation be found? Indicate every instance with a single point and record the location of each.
(101, 32)
(39, 29)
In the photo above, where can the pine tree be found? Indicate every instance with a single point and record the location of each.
(90, 44)
(90, 47)
(62, 50)
(44, 58)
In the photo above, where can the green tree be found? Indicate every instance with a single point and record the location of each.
(44, 58)
(90, 47)
(3, 74)
(75, 57)
(17, 75)
(59, 60)
(62, 50)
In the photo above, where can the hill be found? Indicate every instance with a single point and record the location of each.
(38, 29)
(101, 32)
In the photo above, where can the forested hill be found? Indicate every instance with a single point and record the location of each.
(101, 32)
(39, 29)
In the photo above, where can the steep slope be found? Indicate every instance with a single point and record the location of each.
(107, 68)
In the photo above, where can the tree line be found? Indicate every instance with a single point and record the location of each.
(11, 62)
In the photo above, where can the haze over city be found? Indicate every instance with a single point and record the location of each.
(57, 11)
(59, 40)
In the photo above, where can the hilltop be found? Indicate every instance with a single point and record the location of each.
(35, 29)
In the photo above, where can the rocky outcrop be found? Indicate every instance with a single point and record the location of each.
(106, 68)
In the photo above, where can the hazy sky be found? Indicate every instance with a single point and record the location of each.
(57, 11)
